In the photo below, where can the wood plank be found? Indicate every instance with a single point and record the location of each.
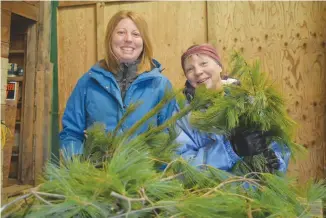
(43, 85)
(100, 30)
(21, 8)
(16, 51)
(10, 120)
(33, 2)
(4, 49)
(26, 158)
(15, 78)
(81, 44)
(288, 38)
(39, 123)
(48, 79)
(75, 3)
(5, 25)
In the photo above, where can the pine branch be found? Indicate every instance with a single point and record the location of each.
(167, 98)
(4, 207)
(40, 198)
(253, 181)
(141, 210)
(129, 110)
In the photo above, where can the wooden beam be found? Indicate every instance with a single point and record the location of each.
(43, 85)
(39, 122)
(100, 29)
(75, 3)
(5, 25)
(33, 2)
(27, 150)
(4, 49)
(21, 8)
(80, 3)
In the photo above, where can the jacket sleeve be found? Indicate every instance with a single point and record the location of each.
(168, 109)
(283, 154)
(204, 149)
(74, 122)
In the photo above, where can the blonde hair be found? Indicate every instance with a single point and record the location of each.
(111, 61)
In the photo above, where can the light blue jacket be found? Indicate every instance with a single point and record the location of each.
(215, 150)
(97, 98)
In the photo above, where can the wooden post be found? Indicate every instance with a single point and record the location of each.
(27, 150)
(43, 86)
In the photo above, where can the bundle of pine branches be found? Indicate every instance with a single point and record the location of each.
(254, 105)
(122, 175)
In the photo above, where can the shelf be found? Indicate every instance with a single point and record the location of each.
(15, 78)
(16, 52)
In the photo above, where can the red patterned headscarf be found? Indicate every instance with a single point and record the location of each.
(206, 49)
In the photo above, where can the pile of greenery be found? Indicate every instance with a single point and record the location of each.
(122, 175)
(128, 182)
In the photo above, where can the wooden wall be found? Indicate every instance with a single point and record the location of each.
(288, 37)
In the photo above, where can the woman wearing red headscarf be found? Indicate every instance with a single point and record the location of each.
(202, 66)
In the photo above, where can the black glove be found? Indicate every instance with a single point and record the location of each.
(273, 164)
(248, 143)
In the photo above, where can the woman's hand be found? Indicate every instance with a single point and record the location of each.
(248, 143)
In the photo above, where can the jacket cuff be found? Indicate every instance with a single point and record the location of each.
(234, 158)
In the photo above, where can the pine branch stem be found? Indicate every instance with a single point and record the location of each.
(249, 211)
(233, 194)
(122, 197)
(171, 177)
(40, 198)
(150, 114)
(51, 195)
(143, 195)
(167, 167)
(138, 211)
(14, 201)
(176, 215)
(228, 182)
(304, 212)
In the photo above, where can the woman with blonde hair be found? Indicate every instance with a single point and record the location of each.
(128, 74)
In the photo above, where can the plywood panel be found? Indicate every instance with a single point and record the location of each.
(76, 47)
(173, 26)
(289, 38)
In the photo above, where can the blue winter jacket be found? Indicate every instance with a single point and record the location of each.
(97, 98)
(215, 150)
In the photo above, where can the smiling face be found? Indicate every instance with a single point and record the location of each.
(202, 69)
(127, 43)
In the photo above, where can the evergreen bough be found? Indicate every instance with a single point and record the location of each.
(253, 105)
(122, 175)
